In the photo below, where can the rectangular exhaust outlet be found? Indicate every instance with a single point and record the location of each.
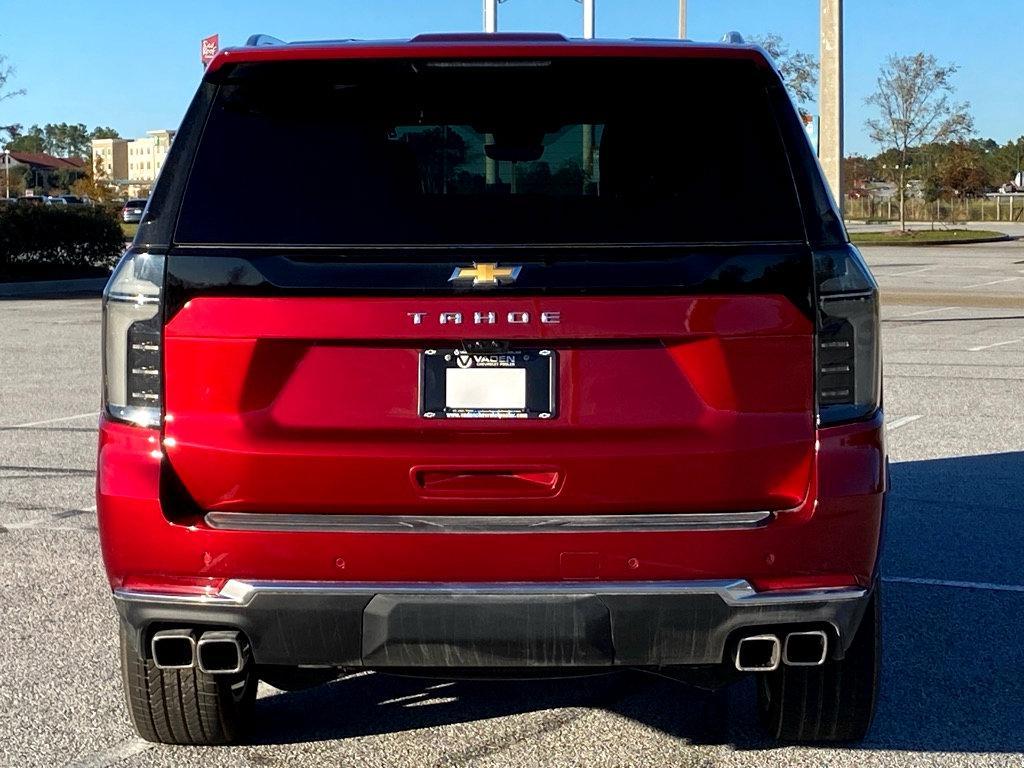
(758, 653)
(174, 649)
(222, 652)
(805, 649)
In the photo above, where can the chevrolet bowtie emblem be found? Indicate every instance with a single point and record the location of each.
(484, 275)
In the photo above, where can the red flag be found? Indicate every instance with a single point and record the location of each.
(208, 48)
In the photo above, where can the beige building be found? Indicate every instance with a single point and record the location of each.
(110, 159)
(132, 165)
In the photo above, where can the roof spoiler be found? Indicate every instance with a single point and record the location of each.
(476, 37)
(258, 40)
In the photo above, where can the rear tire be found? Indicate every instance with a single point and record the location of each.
(185, 706)
(831, 703)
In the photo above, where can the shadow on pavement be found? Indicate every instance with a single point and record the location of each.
(953, 655)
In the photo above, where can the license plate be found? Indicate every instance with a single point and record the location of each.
(518, 384)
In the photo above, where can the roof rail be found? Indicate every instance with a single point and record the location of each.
(733, 38)
(257, 40)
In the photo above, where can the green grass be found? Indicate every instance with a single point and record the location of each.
(129, 230)
(923, 236)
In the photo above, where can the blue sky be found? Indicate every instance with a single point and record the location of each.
(134, 65)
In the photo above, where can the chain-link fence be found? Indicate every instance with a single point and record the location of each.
(995, 208)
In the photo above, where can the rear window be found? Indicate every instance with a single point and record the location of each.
(135, 204)
(504, 153)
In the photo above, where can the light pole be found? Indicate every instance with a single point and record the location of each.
(7, 173)
(589, 23)
(589, 31)
(682, 19)
(830, 99)
(490, 16)
(588, 20)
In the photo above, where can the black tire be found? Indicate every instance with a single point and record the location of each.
(185, 706)
(831, 703)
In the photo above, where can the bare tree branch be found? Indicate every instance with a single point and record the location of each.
(6, 73)
(799, 70)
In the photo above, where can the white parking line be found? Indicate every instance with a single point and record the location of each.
(54, 421)
(112, 756)
(40, 522)
(997, 344)
(923, 312)
(994, 282)
(902, 422)
(911, 272)
(985, 585)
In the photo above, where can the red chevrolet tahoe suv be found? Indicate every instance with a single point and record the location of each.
(527, 380)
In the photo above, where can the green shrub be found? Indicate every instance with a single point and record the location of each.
(68, 238)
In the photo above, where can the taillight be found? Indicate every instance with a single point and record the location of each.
(849, 356)
(132, 339)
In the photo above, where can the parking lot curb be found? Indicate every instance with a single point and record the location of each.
(53, 289)
(931, 243)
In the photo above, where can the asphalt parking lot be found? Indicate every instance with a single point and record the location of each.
(953, 592)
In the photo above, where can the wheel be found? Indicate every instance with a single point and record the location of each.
(185, 706)
(831, 703)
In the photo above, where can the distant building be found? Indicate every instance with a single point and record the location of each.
(43, 171)
(110, 160)
(132, 165)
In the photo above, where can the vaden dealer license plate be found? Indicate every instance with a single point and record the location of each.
(516, 384)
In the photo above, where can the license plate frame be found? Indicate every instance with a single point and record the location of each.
(538, 399)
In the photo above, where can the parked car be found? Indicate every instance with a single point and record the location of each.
(520, 395)
(131, 213)
(64, 200)
(31, 200)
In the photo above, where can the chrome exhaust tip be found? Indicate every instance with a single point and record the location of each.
(758, 653)
(222, 652)
(805, 649)
(174, 649)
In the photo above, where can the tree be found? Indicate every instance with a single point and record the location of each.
(915, 106)
(66, 140)
(60, 139)
(103, 132)
(32, 141)
(799, 70)
(962, 171)
(18, 181)
(6, 73)
(94, 183)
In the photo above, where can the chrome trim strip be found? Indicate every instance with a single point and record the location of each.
(735, 592)
(256, 521)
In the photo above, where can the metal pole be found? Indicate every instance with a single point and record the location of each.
(490, 16)
(830, 148)
(7, 170)
(682, 19)
(490, 27)
(588, 130)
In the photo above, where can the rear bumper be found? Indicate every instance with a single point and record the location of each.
(492, 625)
(334, 593)
(155, 544)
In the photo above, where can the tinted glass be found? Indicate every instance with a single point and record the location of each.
(560, 152)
